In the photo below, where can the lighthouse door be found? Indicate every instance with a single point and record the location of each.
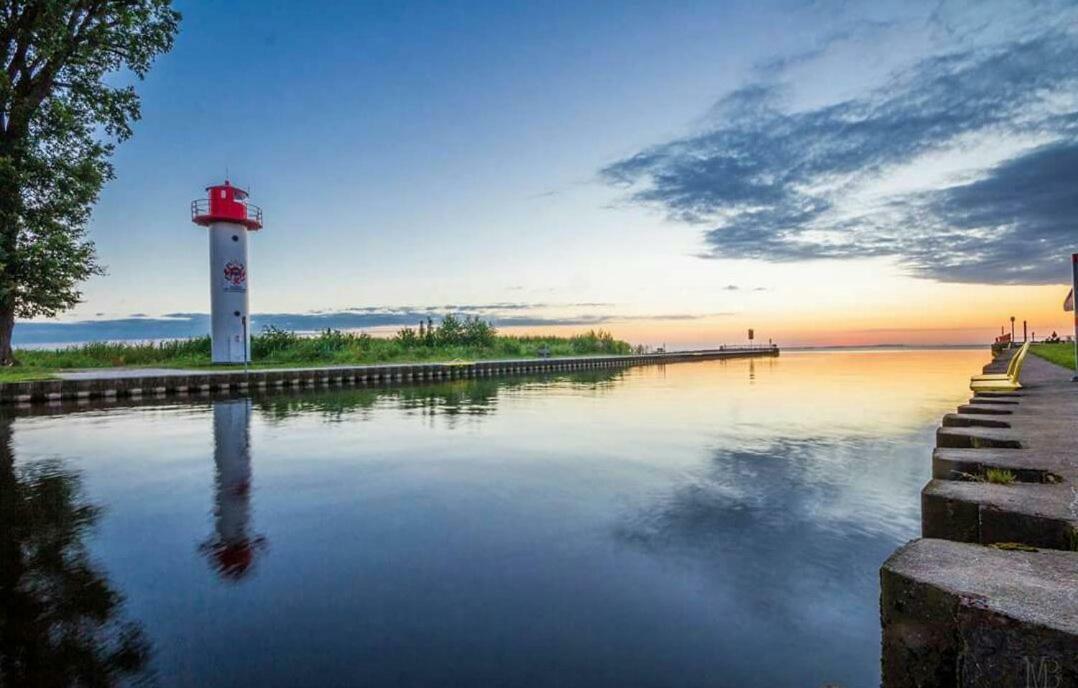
(235, 348)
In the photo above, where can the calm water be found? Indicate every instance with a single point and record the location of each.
(705, 524)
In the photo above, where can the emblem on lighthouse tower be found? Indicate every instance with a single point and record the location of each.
(235, 276)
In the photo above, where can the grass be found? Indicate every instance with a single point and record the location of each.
(451, 340)
(999, 476)
(24, 374)
(1060, 353)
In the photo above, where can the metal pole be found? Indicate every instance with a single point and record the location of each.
(246, 356)
(1074, 280)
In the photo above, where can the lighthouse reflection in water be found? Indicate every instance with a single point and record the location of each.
(233, 547)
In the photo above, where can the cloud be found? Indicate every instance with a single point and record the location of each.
(544, 194)
(858, 30)
(1027, 208)
(772, 183)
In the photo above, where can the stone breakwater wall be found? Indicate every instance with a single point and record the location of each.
(136, 383)
(989, 595)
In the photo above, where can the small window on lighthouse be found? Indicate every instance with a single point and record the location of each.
(222, 193)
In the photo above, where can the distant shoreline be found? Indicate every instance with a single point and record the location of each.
(45, 346)
(885, 347)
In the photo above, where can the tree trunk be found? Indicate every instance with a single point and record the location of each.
(10, 207)
(7, 324)
(10, 211)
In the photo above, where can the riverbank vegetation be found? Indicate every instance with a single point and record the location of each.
(453, 339)
(1060, 353)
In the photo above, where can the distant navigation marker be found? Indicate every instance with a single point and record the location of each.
(229, 217)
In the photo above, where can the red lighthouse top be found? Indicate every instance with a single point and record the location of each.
(226, 203)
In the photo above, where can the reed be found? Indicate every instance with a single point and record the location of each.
(451, 339)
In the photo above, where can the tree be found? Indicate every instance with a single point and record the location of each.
(59, 123)
(450, 330)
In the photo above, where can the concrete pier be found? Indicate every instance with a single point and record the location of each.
(989, 596)
(91, 384)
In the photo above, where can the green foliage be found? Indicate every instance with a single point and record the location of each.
(104, 354)
(451, 332)
(1060, 353)
(408, 337)
(330, 342)
(599, 341)
(462, 339)
(999, 476)
(479, 332)
(24, 374)
(273, 341)
(63, 112)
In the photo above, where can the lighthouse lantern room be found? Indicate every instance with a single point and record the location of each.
(229, 217)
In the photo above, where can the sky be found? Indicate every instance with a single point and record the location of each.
(675, 172)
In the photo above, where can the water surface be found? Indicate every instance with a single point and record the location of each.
(703, 524)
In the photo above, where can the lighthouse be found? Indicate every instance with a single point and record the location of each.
(228, 217)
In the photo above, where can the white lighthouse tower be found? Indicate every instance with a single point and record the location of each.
(229, 217)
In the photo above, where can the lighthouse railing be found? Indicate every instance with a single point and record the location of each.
(201, 208)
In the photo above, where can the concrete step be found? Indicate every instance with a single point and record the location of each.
(969, 605)
(993, 401)
(961, 464)
(972, 420)
(1034, 514)
(976, 438)
(955, 614)
(986, 409)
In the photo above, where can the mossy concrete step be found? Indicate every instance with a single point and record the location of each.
(956, 614)
(1035, 514)
(961, 464)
